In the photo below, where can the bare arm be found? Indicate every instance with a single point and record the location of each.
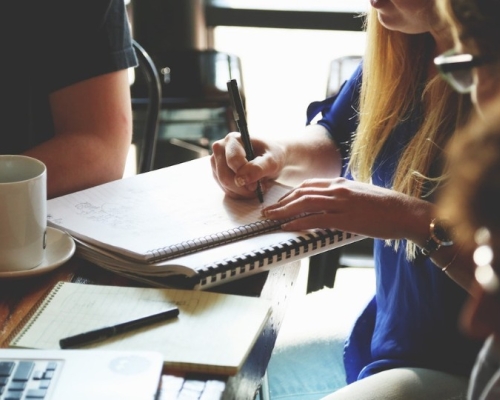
(93, 130)
(312, 154)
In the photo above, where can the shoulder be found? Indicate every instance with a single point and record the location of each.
(340, 103)
(88, 38)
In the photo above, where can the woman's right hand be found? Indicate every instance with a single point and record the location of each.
(235, 174)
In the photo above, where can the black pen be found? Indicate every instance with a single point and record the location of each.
(241, 121)
(110, 331)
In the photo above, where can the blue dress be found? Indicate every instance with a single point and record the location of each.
(412, 321)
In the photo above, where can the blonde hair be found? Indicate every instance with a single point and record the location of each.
(396, 83)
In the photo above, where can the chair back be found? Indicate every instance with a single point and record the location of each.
(341, 70)
(148, 137)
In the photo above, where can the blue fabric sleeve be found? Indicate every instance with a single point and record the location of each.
(340, 114)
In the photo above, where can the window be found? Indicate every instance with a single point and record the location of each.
(284, 70)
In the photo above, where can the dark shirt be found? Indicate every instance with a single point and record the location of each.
(48, 45)
(413, 319)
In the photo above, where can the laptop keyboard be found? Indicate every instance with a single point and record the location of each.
(23, 380)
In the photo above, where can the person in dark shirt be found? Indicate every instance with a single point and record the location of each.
(65, 88)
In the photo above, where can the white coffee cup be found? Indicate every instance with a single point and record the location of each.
(23, 212)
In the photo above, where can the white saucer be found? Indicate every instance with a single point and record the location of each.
(60, 248)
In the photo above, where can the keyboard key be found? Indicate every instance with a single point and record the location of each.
(6, 368)
(17, 386)
(23, 371)
(37, 375)
(36, 394)
(44, 383)
(48, 374)
(14, 395)
(51, 366)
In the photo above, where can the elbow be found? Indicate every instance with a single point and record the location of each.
(114, 159)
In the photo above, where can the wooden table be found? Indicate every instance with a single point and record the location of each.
(17, 297)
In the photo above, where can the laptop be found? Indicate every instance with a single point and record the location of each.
(79, 374)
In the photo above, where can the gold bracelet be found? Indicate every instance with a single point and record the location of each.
(452, 260)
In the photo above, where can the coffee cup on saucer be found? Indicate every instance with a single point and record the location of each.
(23, 212)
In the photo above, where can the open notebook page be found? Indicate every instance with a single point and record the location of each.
(140, 215)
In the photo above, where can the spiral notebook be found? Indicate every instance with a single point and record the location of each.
(175, 227)
(213, 333)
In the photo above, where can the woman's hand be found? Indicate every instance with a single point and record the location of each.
(293, 158)
(235, 174)
(354, 207)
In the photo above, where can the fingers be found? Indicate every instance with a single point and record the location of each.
(303, 204)
(315, 195)
(229, 166)
(234, 151)
(316, 203)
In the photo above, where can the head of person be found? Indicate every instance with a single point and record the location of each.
(471, 199)
(473, 65)
(472, 195)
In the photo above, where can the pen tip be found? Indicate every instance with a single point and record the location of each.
(259, 192)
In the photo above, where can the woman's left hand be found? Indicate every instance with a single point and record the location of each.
(354, 207)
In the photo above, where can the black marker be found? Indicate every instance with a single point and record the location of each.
(110, 331)
(240, 118)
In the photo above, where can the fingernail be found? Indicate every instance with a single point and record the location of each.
(266, 212)
(239, 181)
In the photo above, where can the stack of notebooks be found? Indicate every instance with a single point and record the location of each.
(174, 227)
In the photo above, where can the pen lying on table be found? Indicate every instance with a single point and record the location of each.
(110, 331)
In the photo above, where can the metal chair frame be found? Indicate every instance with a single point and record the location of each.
(148, 147)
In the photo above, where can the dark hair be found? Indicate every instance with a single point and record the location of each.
(479, 21)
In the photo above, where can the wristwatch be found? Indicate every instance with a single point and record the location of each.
(440, 235)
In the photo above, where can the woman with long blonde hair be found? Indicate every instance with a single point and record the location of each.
(371, 165)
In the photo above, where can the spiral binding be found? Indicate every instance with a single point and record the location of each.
(30, 318)
(268, 255)
(217, 239)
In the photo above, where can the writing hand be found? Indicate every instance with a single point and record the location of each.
(235, 174)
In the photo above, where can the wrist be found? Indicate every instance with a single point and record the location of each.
(440, 235)
(445, 268)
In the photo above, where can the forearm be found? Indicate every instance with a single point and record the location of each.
(78, 161)
(312, 154)
(92, 134)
